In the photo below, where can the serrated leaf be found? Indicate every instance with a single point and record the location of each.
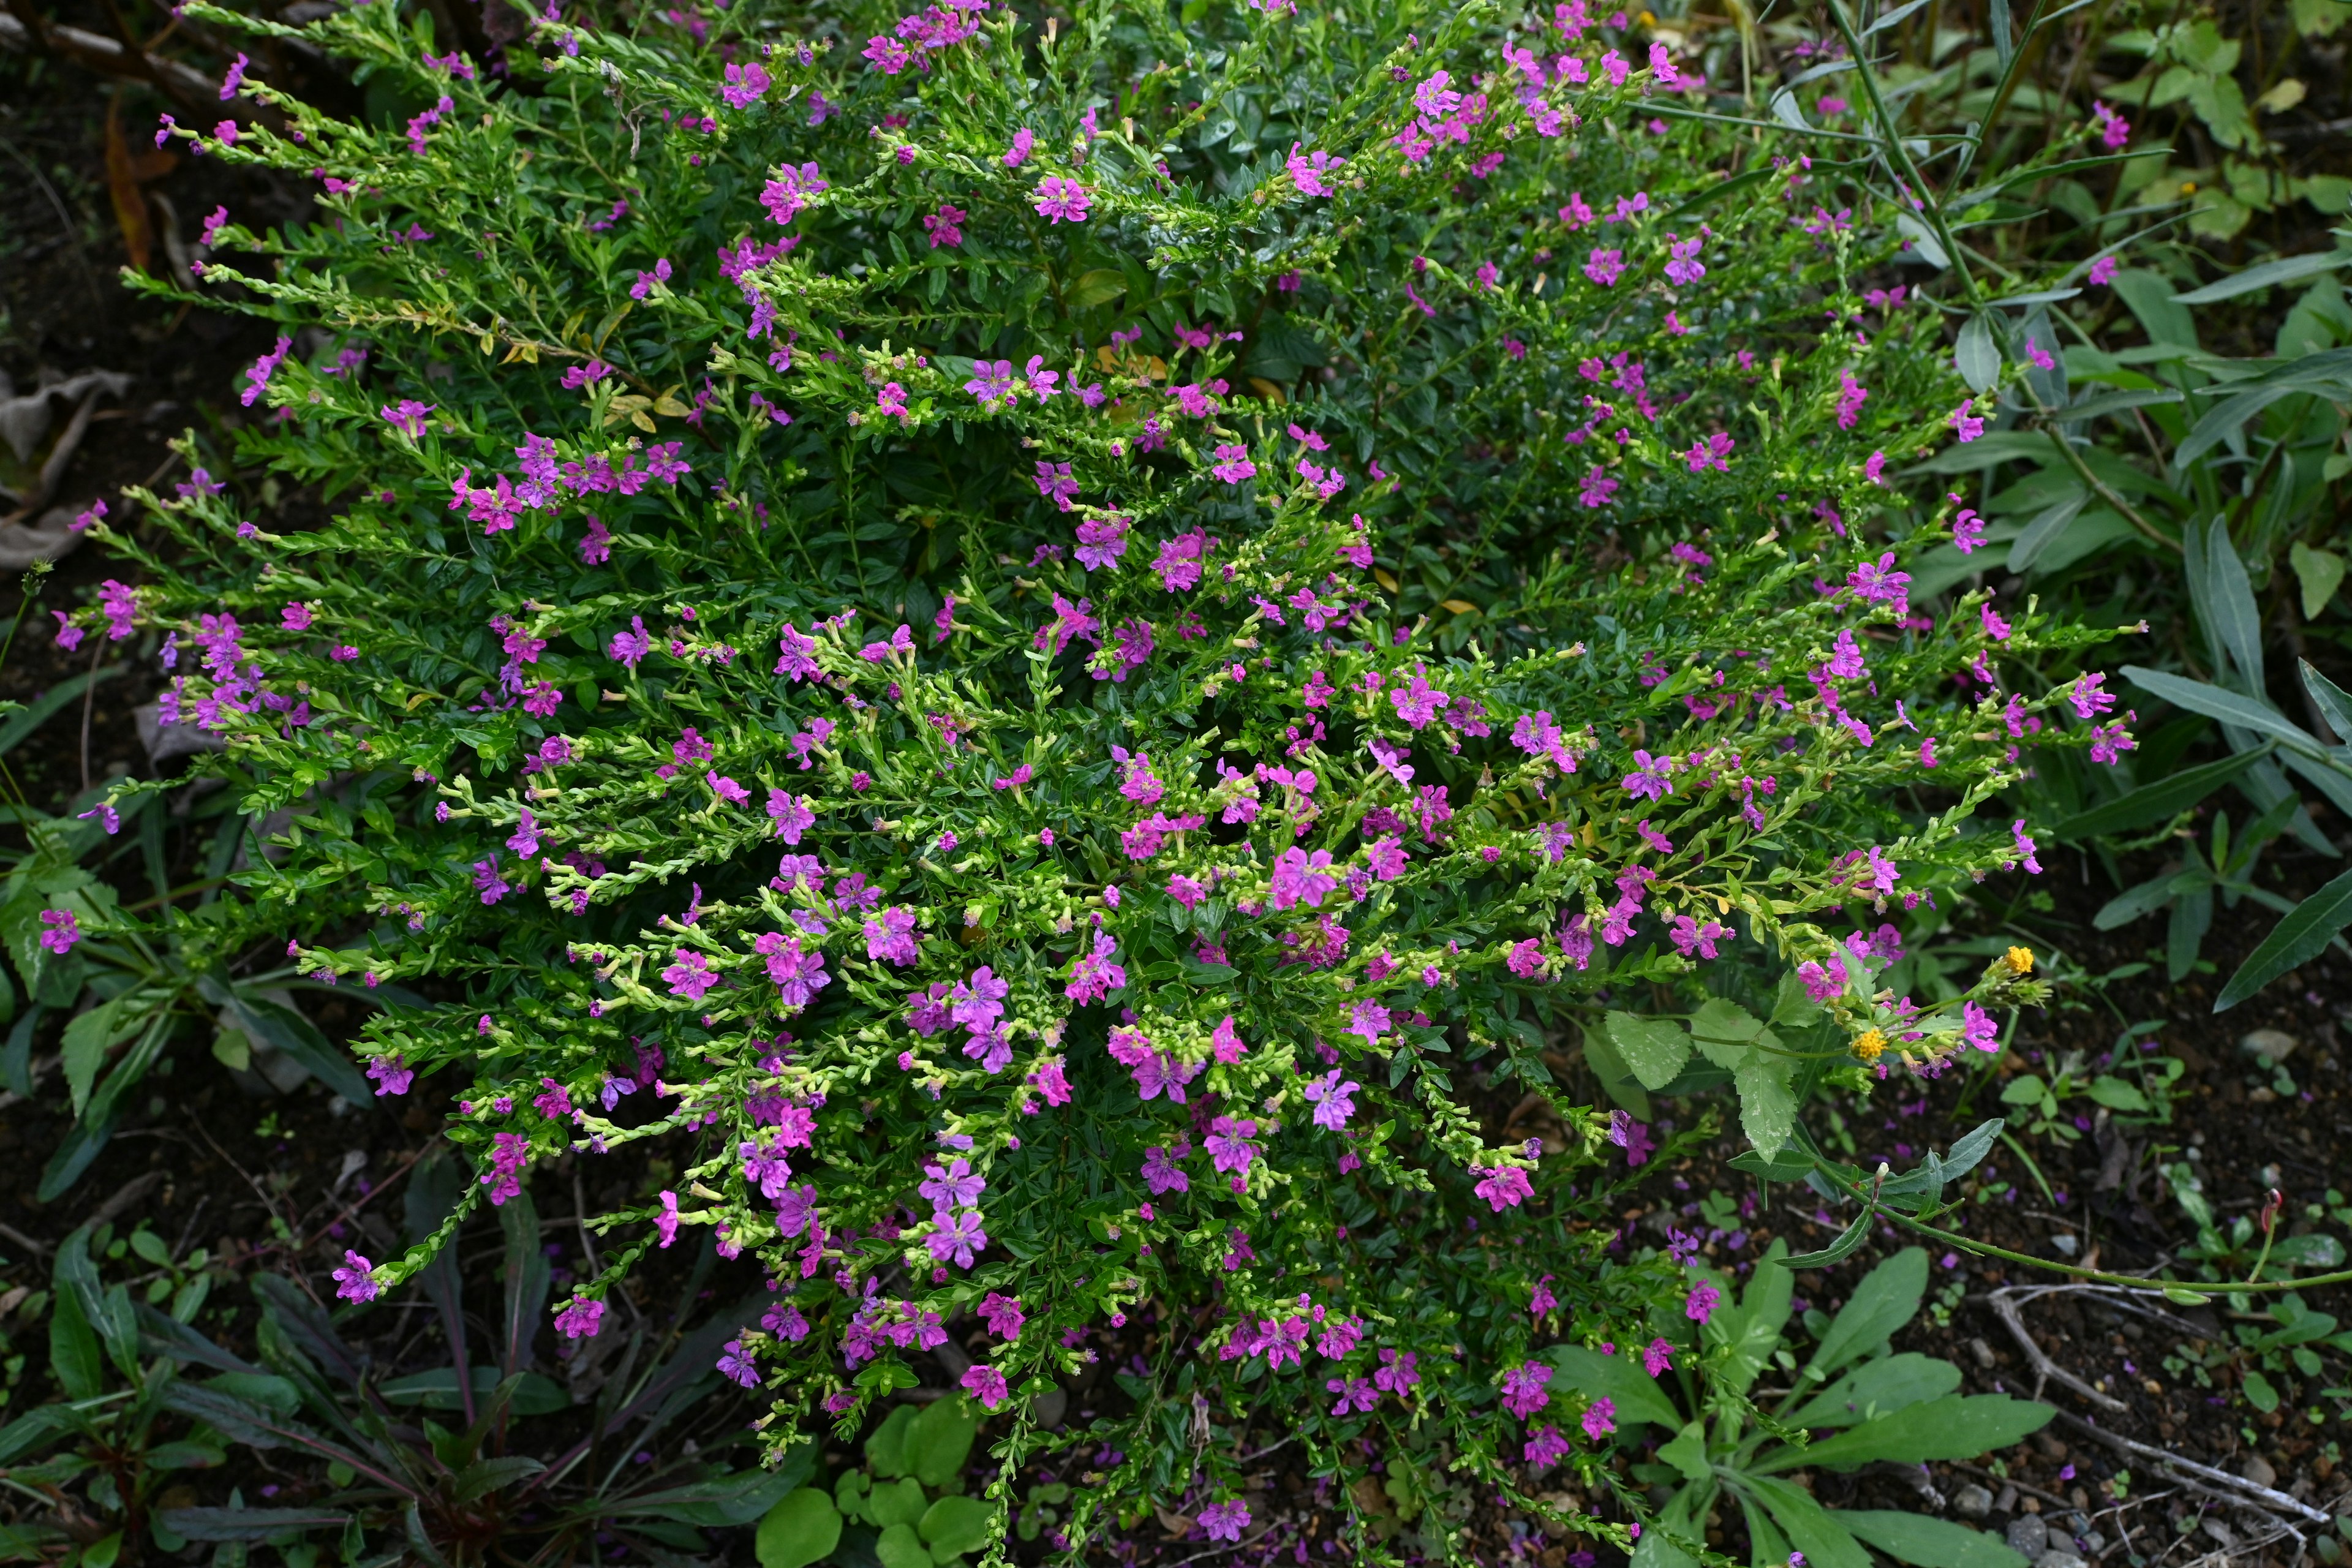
(1767, 1107)
(1654, 1049)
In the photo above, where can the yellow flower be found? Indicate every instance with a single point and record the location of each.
(1869, 1045)
(2020, 960)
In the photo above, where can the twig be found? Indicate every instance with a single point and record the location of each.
(2026, 1486)
(90, 703)
(125, 1197)
(2044, 1369)
(2240, 1492)
(38, 1248)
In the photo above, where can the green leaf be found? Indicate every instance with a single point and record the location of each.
(92, 1034)
(251, 1525)
(1767, 1106)
(1654, 1049)
(1621, 1378)
(1927, 1543)
(2044, 530)
(1955, 1428)
(74, 1356)
(1886, 1298)
(2302, 936)
(2259, 1392)
(537, 1395)
(2265, 275)
(2117, 1095)
(1726, 1034)
(885, 1451)
(1878, 1388)
(52, 701)
(1099, 287)
(2182, 1296)
(1687, 1453)
(2216, 703)
(1615, 1078)
(299, 1038)
(2158, 802)
(956, 1524)
(801, 1530)
(940, 1440)
(1978, 360)
(901, 1547)
(1848, 1242)
(1808, 1525)
(2335, 703)
(2229, 599)
(2320, 573)
(901, 1501)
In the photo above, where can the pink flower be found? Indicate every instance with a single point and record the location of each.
(944, 226)
(1506, 1186)
(581, 1317)
(2103, 271)
(1964, 420)
(1003, 1315)
(63, 933)
(1601, 1418)
(1546, 1448)
(987, 1385)
(1605, 266)
(1657, 1357)
(1523, 1389)
(355, 1280)
(1233, 464)
(1227, 1521)
(1059, 200)
(1700, 1304)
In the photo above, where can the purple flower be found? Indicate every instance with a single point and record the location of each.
(1546, 1448)
(1059, 200)
(407, 417)
(355, 1280)
(890, 936)
(953, 1187)
(1308, 170)
(1225, 1520)
(1356, 1393)
(1003, 1315)
(1657, 1357)
(745, 84)
(1523, 1389)
(1604, 267)
(943, 225)
(63, 933)
(690, 976)
(735, 1365)
(1333, 1099)
(392, 1073)
(1700, 1304)
(1978, 1028)
(258, 377)
(987, 1385)
(1161, 1173)
(785, 196)
(1601, 1418)
(958, 1237)
(581, 1317)
(1506, 1186)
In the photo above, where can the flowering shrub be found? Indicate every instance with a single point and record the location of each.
(893, 621)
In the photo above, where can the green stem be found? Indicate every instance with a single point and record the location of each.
(2125, 1281)
(1900, 155)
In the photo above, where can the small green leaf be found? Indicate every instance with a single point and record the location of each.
(887, 1449)
(896, 1502)
(801, 1530)
(940, 1439)
(1978, 360)
(901, 1547)
(954, 1525)
(1767, 1107)
(2259, 1392)
(2320, 573)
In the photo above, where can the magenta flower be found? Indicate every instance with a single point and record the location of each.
(1233, 464)
(987, 1385)
(943, 226)
(1601, 1418)
(1964, 420)
(1224, 1520)
(1604, 267)
(958, 1239)
(690, 976)
(1506, 1186)
(581, 1317)
(1356, 1393)
(744, 85)
(392, 1073)
(2103, 271)
(1003, 1315)
(735, 1365)
(1059, 200)
(1546, 1448)
(1308, 171)
(355, 1280)
(1657, 1357)
(407, 417)
(63, 933)
(1523, 1389)
(1700, 1304)
(1371, 1020)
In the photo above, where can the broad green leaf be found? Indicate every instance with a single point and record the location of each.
(1767, 1106)
(899, 1547)
(802, 1529)
(2044, 530)
(1878, 1388)
(2117, 1095)
(896, 1502)
(1637, 1395)
(1886, 1298)
(2265, 275)
(2258, 1391)
(1751, 1332)
(1616, 1078)
(1687, 1452)
(1954, 1427)
(956, 1524)
(2319, 573)
(92, 1034)
(1099, 287)
(1807, 1524)
(885, 1451)
(940, 1439)
(2099, 405)
(1927, 1543)
(1727, 1034)
(2299, 938)
(1654, 1047)
(2158, 802)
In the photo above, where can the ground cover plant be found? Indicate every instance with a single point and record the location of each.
(929, 476)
